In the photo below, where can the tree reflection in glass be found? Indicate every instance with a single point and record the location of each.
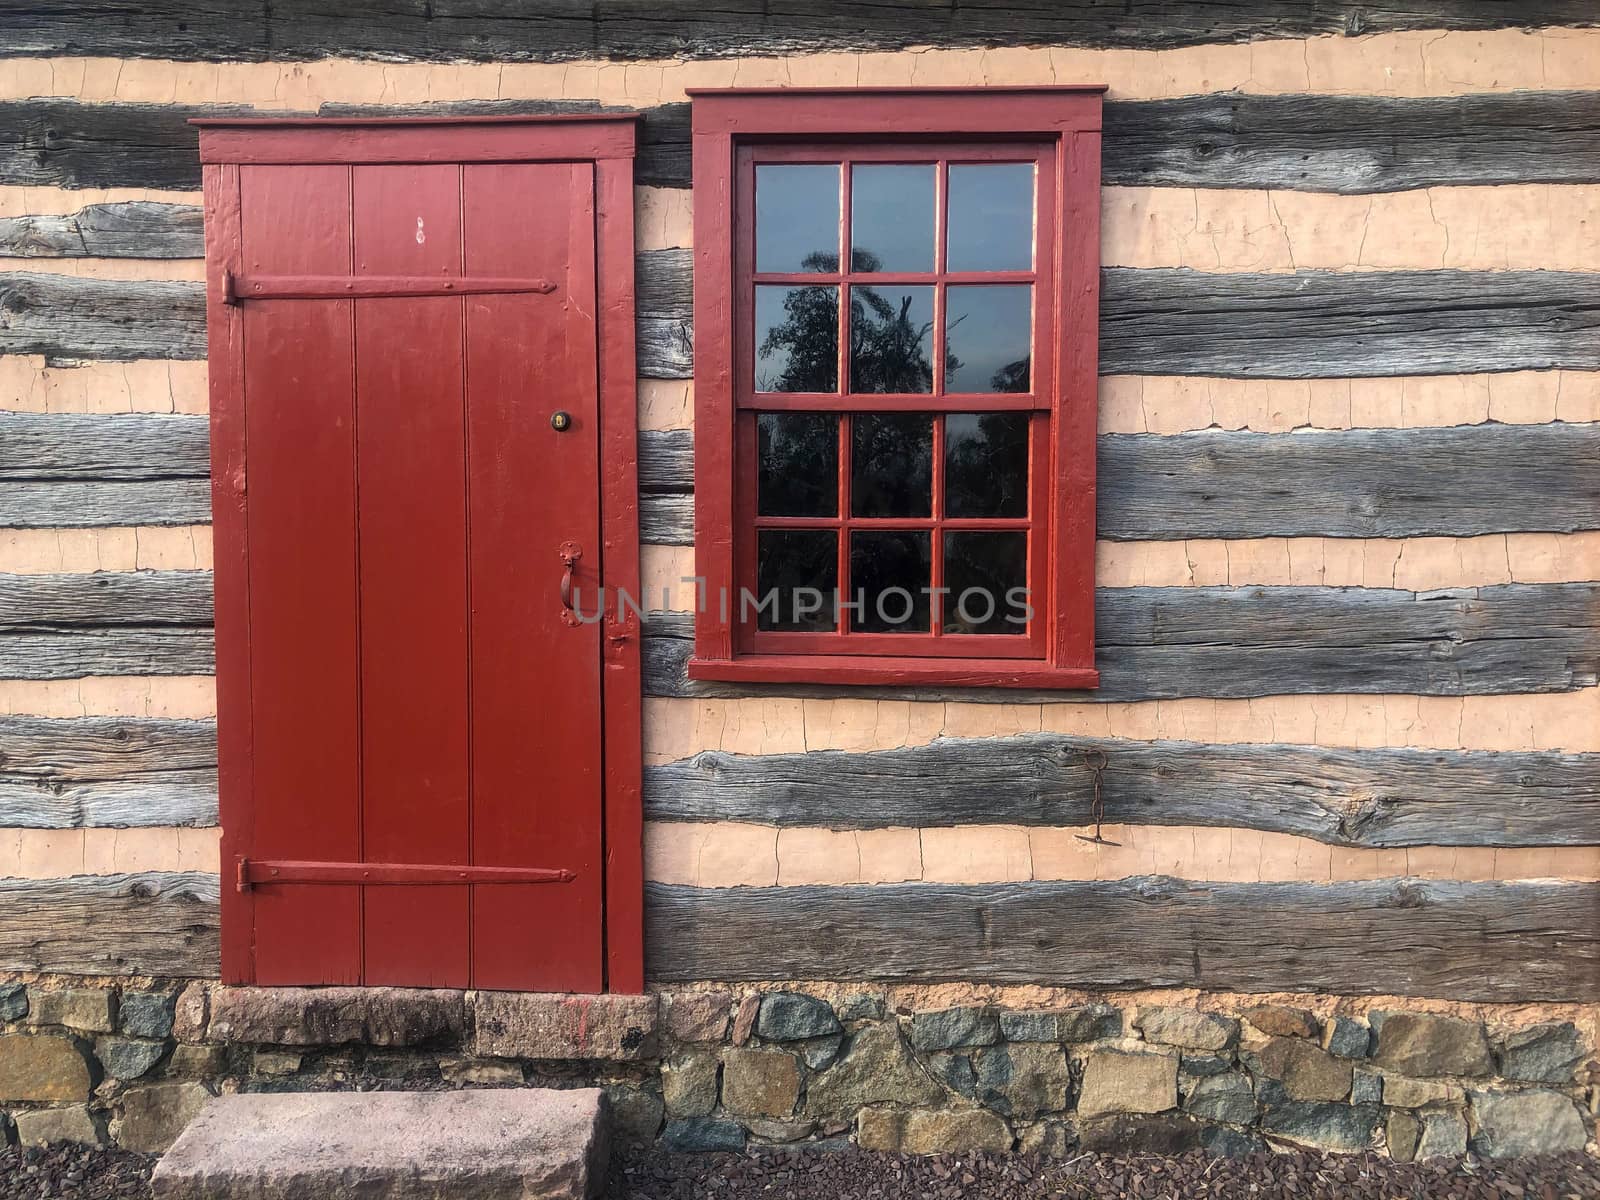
(797, 338)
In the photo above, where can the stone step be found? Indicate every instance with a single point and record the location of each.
(499, 1144)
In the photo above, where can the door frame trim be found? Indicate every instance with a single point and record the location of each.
(608, 141)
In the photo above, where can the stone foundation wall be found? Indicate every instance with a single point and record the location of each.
(710, 1068)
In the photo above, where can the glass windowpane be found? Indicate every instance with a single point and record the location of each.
(990, 217)
(797, 576)
(891, 465)
(987, 574)
(797, 339)
(891, 339)
(988, 338)
(891, 217)
(889, 576)
(797, 465)
(986, 465)
(797, 217)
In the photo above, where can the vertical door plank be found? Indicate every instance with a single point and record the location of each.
(536, 760)
(299, 435)
(412, 498)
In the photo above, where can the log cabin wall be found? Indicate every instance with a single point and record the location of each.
(1349, 513)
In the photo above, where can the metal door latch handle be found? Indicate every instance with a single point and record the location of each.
(570, 553)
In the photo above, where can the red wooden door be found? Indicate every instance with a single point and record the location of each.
(425, 761)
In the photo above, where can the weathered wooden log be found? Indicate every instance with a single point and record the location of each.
(105, 598)
(134, 650)
(1343, 797)
(100, 771)
(448, 30)
(78, 504)
(1410, 937)
(1221, 643)
(1221, 140)
(152, 923)
(666, 520)
(131, 229)
(63, 317)
(1305, 325)
(109, 446)
(1311, 324)
(1460, 481)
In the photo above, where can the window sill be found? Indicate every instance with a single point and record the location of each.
(968, 672)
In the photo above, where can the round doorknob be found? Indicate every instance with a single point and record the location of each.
(560, 421)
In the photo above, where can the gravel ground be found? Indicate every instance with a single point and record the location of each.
(81, 1172)
(859, 1175)
(87, 1174)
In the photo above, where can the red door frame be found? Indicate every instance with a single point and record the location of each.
(608, 141)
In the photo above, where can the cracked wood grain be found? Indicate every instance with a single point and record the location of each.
(149, 923)
(136, 229)
(1462, 941)
(450, 30)
(1372, 798)
(104, 771)
(1222, 643)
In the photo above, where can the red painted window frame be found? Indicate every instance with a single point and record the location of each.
(1066, 121)
(608, 140)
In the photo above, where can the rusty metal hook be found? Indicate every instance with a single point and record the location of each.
(570, 553)
(1095, 759)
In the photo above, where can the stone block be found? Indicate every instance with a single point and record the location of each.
(1048, 1139)
(689, 1086)
(1221, 1142)
(128, 1058)
(1344, 1128)
(464, 1072)
(69, 1123)
(955, 1071)
(635, 1115)
(1187, 1027)
(154, 1116)
(1075, 1023)
(13, 1001)
(876, 1068)
(1444, 1135)
(820, 1053)
(1024, 1079)
(374, 1016)
(1402, 1091)
(781, 1132)
(1129, 1134)
(85, 1009)
(1280, 1020)
(553, 1026)
(1428, 1044)
(1346, 1037)
(1513, 1124)
(1402, 1131)
(192, 1013)
(527, 1143)
(1306, 1072)
(197, 1061)
(949, 1028)
(146, 1014)
(932, 1131)
(744, 1019)
(700, 1135)
(43, 1067)
(860, 1006)
(1118, 1082)
(1541, 1054)
(1204, 1064)
(760, 1083)
(1366, 1087)
(1228, 1098)
(276, 1062)
(696, 1016)
(793, 1017)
